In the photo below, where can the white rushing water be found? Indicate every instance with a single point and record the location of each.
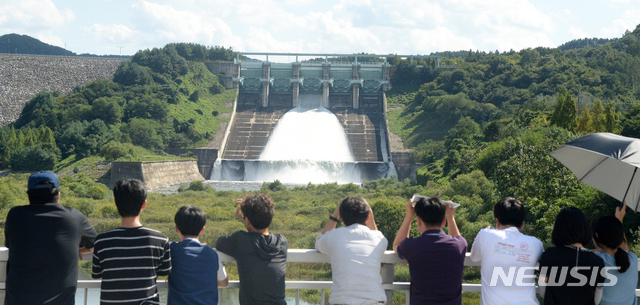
(308, 132)
(307, 145)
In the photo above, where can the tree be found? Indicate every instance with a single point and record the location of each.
(32, 159)
(147, 107)
(566, 110)
(130, 74)
(108, 109)
(612, 118)
(466, 131)
(631, 122)
(46, 139)
(599, 117)
(142, 132)
(40, 111)
(585, 123)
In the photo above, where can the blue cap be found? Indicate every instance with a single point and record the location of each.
(36, 180)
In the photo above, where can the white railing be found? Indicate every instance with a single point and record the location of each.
(389, 259)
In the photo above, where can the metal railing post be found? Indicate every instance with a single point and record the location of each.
(386, 271)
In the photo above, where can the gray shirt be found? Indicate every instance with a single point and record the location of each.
(261, 265)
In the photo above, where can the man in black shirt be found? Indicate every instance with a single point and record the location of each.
(44, 239)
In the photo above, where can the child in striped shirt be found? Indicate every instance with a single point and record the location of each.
(129, 258)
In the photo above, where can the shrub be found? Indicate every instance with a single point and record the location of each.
(98, 191)
(110, 211)
(116, 150)
(197, 186)
(216, 89)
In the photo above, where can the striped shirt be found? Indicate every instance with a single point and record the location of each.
(128, 260)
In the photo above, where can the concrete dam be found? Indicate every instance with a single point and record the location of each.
(309, 121)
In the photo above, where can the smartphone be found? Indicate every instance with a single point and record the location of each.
(417, 197)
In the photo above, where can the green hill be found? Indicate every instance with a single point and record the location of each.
(156, 100)
(492, 86)
(23, 44)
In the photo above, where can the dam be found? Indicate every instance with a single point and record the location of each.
(292, 106)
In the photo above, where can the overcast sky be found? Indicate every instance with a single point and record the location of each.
(306, 26)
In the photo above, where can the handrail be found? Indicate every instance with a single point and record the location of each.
(389, 259)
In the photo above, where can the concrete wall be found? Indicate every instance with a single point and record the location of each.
(226, 71)
(206, 158)
(405, 166)
(156, 174)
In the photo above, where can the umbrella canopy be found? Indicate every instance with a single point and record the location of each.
(606, 161)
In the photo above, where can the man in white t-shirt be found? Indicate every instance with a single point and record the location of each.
(508, 257)
(356, 253)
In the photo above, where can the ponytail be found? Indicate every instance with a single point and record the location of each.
(608, 231)
(622, 260)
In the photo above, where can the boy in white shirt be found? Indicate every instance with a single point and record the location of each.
(508, 257)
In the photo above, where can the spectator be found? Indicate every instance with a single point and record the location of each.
(261, 256)
(611, 246)
(356, 253)
(436, 260)
(504, 250)
(570, 234)
(196, 270)
(44, 240)
(129, 258)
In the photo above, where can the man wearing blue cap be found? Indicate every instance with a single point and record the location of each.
(44, 240)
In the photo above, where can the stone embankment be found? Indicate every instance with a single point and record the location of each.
(156, 174)
(23, 76)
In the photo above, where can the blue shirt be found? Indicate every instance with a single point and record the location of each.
(624, 291)
(194, 274)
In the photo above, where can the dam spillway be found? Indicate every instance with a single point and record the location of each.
(350, 92)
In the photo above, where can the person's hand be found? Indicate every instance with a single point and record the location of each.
(621, 211)
(238, 212)
(450, 211)
(336, 212)
(83, 250)
(411, 211)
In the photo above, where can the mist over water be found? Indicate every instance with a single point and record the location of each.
(307, 145)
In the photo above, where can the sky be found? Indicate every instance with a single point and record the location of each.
(317, 26)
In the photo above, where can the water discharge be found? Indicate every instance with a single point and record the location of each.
(307, 145)
(308, 132)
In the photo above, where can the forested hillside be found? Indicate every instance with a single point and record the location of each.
(157, 99)
(495, 118)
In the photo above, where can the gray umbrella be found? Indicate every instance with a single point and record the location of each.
(606, 161)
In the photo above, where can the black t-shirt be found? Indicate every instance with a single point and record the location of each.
(43, 242)
(568, 289)
(262, 264)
